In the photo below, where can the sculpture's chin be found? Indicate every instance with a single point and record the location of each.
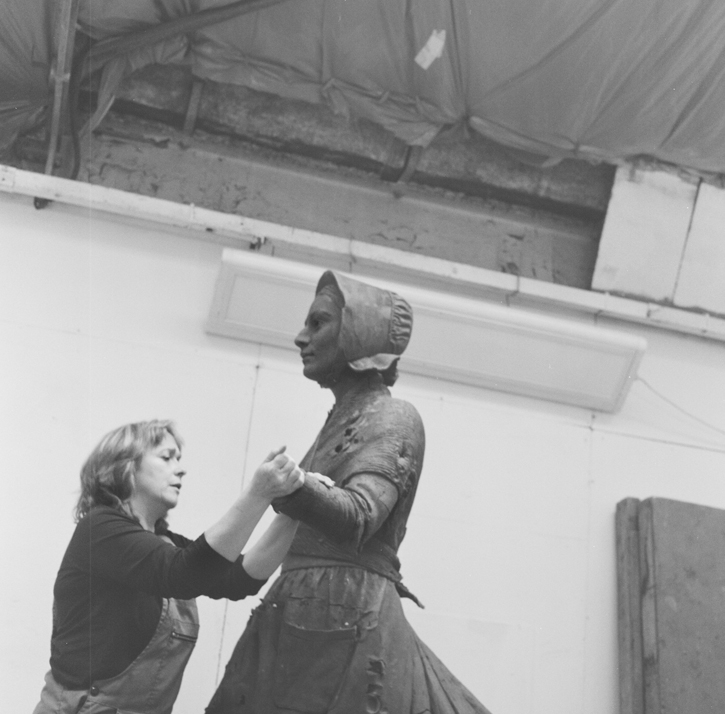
(332, 377)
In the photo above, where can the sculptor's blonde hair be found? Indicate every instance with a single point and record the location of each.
(107, 474)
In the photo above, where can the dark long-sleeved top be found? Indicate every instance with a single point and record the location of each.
(110, 588)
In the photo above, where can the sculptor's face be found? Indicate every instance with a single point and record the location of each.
(317, 341)
(157, 482)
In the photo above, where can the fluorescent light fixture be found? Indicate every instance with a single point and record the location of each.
(263, 299)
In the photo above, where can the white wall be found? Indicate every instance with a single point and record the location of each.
(510, 545)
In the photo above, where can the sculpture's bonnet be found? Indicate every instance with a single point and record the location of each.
(376, 324)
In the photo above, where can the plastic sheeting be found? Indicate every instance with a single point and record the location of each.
(599, 79)
(25, 47)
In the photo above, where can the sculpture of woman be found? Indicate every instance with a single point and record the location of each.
(330, 636)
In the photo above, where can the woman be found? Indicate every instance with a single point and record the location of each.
(330, 636)
(124, 616)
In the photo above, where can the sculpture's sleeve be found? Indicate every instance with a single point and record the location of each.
(374, 461)
(347, 515)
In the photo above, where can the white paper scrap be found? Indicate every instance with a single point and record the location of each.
(432, 49)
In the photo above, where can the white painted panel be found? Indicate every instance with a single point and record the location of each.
(702, 277)
(43, 429)
(264, 299)
(493, 470)
(683, 410)
(91, 273)
(495, 660)
(644, 234)
(45, 261)
(494, 534)
(502, 576)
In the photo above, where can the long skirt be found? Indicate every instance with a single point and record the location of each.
(334, 640)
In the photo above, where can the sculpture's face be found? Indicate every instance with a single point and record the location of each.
(318, 340)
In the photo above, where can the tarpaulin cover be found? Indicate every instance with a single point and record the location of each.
(25, 50)
(601, 79)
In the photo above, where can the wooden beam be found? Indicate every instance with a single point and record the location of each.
(648, 595)
(629, 614)
(67, 14)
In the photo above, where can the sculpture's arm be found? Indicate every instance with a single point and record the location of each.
(351, 514)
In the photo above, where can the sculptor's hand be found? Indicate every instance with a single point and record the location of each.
(278, 475)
